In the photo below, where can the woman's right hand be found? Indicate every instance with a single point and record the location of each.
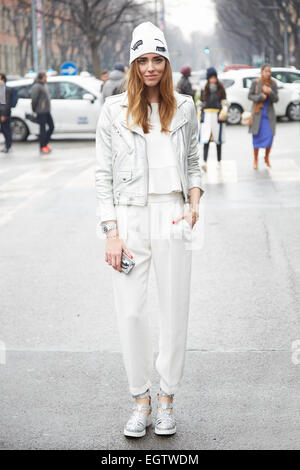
(113, 252)
(266, 89)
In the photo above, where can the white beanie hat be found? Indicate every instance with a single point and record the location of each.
(146, 38)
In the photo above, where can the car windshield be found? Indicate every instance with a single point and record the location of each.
(24, 91)
(282, 76)
(247, 81)
(294, 77)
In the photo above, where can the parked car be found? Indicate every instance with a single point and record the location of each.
(237, 84)
(237, 67)
(75, 105)
(11, 78)
(286, 74)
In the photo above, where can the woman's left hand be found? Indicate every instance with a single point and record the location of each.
(191, 217)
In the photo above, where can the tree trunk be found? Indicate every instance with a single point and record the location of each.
(296, 37)
(95, 58)
(21, 61)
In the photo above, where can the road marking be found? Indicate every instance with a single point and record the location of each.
(226, 174)
(30, 178)
(21, 190)
(85, 179)
(284, 170)
(24, 187)
(8, 212)
(4, 170)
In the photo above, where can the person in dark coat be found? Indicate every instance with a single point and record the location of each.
(41, 105)
(213, 115)
(104, 76)
(5, 115)
(184, 85)
(113, 85)
(264, 94)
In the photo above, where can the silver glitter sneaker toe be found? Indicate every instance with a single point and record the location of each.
(138, 421)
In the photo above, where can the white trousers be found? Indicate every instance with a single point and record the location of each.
(211, 126)
(149, 234)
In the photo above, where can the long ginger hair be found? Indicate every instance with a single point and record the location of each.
(138, 102)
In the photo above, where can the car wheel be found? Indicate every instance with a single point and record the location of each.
(293, 112)
(234, 114)
(19, 130)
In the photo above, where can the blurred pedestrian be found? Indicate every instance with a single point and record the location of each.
(104, 76)
(184, 85)
(41, 105)
(263, 92)
(148, 185)
(5, 114)
(213, 115)
(113, 85)
(2, 92)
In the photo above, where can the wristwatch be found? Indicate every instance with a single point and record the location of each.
(107, 227)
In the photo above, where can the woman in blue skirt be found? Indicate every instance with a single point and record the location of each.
(263, 93)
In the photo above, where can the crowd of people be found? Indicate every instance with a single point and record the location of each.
(41, 106)
(212, 108)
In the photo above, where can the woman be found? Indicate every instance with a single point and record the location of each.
(184, 85)
(214, 112)
(148, 188)
(263, 92)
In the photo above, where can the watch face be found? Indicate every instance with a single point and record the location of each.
(105, 229)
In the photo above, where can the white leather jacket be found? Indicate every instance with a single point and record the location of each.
(121, 158)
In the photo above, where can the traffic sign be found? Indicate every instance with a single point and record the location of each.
(68, 68)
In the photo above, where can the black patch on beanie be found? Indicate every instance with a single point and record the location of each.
(160, 49)
(137, 44)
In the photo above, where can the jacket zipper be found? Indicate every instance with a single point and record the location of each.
(177, 164)
(120, 135)
(129, 148)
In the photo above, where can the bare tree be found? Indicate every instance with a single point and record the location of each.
(96, 19)
(18, 14)
(290, 13)
(63, 39)
(257, 26)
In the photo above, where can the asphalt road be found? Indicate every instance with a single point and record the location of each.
(63, 384)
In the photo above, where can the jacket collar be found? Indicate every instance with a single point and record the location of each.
(179, 118)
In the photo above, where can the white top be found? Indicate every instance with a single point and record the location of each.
(163, 172)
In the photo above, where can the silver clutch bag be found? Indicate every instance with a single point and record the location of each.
(126, 263)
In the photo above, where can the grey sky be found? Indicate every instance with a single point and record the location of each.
(191, 15)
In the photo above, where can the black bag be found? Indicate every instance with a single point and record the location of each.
(32, 117)
(116, 90)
